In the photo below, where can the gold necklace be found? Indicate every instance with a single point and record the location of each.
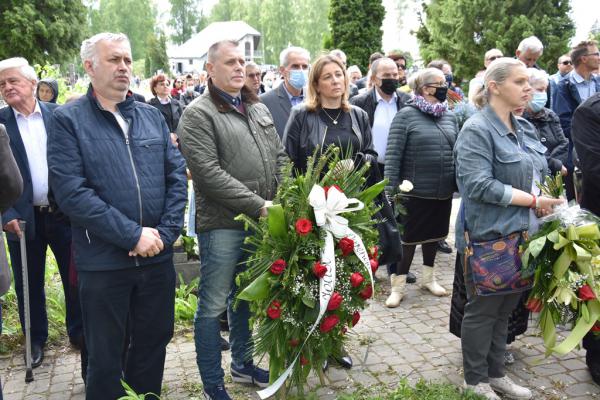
(334, 120)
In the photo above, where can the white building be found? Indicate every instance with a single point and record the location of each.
(191, 55)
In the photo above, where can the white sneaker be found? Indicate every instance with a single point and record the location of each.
(483, 389)
(511, 390)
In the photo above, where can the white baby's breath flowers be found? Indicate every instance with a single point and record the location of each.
(406, 186)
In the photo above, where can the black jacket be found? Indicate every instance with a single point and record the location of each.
(552, 137)
(368, 102)
(420, 149)
(11, 184)
(586, 138)
(305, 131)
(112, 183)
(176, 112)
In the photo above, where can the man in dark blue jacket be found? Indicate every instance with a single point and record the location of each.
(26, 120)
(117, 176)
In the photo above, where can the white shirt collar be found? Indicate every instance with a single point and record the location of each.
(379, 98)
(36, 110)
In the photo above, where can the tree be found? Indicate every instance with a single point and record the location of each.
(356, 28)
(461, 31)
(184, 19)
(42, 30)
(137, 23)
(156, 54)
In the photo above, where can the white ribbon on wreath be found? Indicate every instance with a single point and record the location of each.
(327, 210)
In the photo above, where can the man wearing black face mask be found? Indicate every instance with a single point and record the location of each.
(381, 103)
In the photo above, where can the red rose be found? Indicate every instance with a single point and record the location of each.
(294, 342)
(586, 293)
(335, 301)
(346, 245)
(374, 265)
(278, 266)
(319, 270)
(356, 279)
(355, 318)
(303, 360)
(303, 226)
(274, 310)
(326, 188)
(366, 293)
(596, 327)
(329, 322)
(534, 305)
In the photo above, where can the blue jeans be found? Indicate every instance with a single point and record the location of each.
(221, 251)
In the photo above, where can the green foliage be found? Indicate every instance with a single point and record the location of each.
(135, 18)
(55, 307)
(461, 31)
(356, 29)
(130, 394)
(281, 22)
(422, 391)
(41, 31)
(156, 54)
(280, 269)
(186, 301)
(184, 19)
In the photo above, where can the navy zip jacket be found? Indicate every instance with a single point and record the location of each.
(111, 183)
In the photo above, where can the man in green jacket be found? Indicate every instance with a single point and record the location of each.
(235, 156)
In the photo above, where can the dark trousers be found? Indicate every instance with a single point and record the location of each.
(57, 235)
(145, 295)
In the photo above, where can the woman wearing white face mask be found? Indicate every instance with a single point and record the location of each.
(547, 123)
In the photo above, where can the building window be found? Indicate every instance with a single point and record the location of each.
(191, 61)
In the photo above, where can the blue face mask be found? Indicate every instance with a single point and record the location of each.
(298, 78)
(538, 101)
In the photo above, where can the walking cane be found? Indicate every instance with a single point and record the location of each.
(29, 369)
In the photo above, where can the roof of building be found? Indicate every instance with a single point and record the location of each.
(197, 46)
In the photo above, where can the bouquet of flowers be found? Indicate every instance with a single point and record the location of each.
(565, 258)
(311, 268)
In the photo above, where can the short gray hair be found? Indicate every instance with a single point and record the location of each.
(532, 44)
(423, 78)
(214, 49)
(375, 64)
(353, 68)
(537, 75)
(88, 46)
(284, 55)
(339, 53)
(22, 65)
(489, 53)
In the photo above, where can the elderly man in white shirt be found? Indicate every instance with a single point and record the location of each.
(26, 119)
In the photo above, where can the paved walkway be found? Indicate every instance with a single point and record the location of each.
(410, 341)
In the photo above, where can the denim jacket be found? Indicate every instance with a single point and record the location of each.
(490, 162)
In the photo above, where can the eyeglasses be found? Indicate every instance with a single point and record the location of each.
(593, 54)
(492, 58)
(566, 62)
(402, 67)
(253, 76)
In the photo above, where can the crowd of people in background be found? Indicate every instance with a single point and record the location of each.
(105, 184)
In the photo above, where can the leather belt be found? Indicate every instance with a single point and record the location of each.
(44, 209)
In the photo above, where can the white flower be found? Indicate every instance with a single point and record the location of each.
(406, 186)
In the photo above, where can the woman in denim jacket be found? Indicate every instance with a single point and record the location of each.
(497, 165)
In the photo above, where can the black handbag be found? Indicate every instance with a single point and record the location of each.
(390, 246)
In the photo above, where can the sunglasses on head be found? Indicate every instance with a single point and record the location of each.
(492, 58)
(566, 62)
